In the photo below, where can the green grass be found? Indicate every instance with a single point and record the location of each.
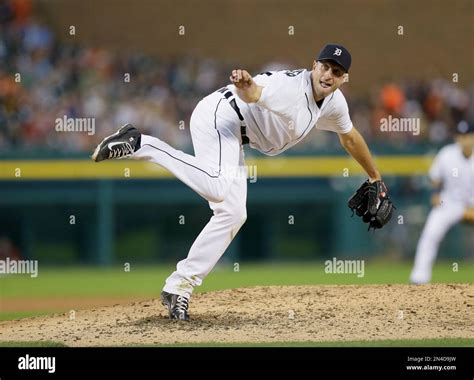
(10, 315)
(147, 281)
(360, 343)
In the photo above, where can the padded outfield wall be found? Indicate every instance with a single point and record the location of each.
(76, 211)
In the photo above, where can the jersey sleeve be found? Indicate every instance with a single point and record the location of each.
(336, 117)
(436, 170)
(280, 91)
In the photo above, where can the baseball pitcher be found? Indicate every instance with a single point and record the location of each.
(270, 112)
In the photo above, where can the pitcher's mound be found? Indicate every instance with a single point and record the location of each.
(268, 314)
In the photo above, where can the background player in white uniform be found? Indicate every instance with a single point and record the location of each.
(452, 174)
(272, 112)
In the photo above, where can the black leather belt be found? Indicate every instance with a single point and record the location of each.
(243, 128)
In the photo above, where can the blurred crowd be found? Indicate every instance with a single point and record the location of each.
(42, 79)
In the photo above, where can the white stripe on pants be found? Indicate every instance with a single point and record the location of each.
(216, 172)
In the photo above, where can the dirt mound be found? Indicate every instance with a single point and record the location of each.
(268, 314)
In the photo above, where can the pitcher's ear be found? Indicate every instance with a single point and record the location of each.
(345, 76)
(314, 64)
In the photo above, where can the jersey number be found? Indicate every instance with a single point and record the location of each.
(293, 73)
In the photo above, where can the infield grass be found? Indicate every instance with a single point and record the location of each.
(147, 281)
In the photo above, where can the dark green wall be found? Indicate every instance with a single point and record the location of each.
(139, 221)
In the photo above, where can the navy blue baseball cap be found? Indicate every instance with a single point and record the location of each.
(463, 128)
(336, 53)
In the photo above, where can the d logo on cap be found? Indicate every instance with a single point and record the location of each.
(336, 53)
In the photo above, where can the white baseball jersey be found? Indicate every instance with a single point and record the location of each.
(286, 111)
(456, 172)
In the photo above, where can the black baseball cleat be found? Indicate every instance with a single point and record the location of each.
(121, 144)
(177, 305)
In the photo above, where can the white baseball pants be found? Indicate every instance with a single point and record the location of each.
(216, 172)
(438, 223)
